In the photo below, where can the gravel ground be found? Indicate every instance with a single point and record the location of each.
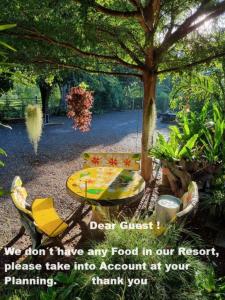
(59, 155)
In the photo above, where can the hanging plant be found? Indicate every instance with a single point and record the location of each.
(79, 103)
(34, 123)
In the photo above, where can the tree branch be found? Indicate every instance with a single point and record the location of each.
(123, 46)
(150, 15)
(135, 3)
(156, 15)
(72, 66)
(49, 40)
(137, 44)
(171, 25)
(112, 12)
(193, 64)
(211, 16)
(186, 27)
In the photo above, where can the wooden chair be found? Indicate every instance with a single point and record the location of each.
(128, 161)
(38, 219)
(190, 200)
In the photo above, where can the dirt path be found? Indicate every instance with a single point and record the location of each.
(60, 155)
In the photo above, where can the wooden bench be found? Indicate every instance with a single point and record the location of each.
(128, 161)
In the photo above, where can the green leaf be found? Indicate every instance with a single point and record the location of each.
(2, 152)
(189, 145)
(216, 113)
(61, 277)
(2, 192)
(176, 131)
(7, 26)
(68, 290)
(7, 46)
(186, 126)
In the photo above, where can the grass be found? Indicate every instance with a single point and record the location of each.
(198, 282)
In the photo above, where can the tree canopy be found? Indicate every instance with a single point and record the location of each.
(112, 36)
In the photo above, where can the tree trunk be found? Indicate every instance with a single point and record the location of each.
(148, 125)
(45, 90)
(63, 90)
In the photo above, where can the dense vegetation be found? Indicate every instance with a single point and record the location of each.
(110, 93)
(198, 282)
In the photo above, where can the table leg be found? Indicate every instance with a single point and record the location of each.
(103, 214)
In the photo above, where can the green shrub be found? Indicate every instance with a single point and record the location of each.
(161, 285)
(196, 283)
(2, 153)
(213, 202)
(199, 136)
(209, 286)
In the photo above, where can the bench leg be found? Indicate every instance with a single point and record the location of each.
(31, 229)
(36, 238)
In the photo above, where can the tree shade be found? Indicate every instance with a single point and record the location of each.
(115, 37)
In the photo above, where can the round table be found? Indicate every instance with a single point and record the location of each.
(106, 187)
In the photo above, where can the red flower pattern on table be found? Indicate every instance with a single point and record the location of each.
(127, 162)
(90, 181)
(95, 160)
(113, 162)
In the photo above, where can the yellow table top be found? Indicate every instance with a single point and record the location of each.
(105, 185)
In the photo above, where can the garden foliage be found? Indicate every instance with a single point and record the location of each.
(196, 283)
(2, 153)
(198, 136)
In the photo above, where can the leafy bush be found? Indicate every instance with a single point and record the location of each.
(209, 286)
(194, 88)
(2, 153)
(172, 149)
(199, 136)
(196, 283)
(214, 200)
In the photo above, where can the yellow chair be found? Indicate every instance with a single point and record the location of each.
(46, 217)
(39, 218)
(19, 196)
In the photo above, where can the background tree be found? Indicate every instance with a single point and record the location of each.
(129, 38)
(192, 90)
(6, 82)
(46, 86)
